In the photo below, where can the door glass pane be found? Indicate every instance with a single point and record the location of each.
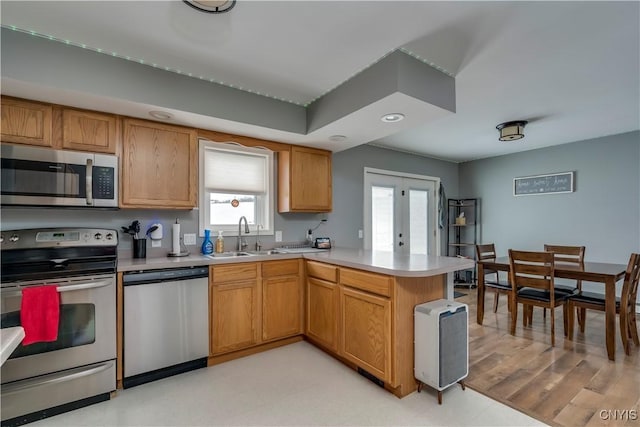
(382, 218)
(76, 327)
(418, 222)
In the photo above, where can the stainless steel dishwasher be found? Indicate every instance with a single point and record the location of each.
(166, 322)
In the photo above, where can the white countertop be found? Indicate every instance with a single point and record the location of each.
(392, 263)
(375, 261)
(10, 338)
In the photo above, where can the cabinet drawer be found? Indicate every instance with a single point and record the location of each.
(287, 267)
(233, 272)
(322, 271)
(371, 282)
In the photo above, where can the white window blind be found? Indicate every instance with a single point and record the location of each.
(229, 172)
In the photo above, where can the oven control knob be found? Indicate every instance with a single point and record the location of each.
(97, 236)
(109, 236)
(14, 238)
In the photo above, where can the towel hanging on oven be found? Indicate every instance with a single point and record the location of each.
(40, 314)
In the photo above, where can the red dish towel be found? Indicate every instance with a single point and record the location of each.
(40, 313)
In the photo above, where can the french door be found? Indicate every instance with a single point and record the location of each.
(401, 212)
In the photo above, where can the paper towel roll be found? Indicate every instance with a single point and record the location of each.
(175, 238)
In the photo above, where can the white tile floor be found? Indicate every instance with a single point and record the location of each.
(296, 385)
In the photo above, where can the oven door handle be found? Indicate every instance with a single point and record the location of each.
(63, 288)
(54, 378)
(82, 286)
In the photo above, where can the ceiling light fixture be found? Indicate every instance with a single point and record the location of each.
(160, 115)
(212, 6)
(337, 138)
(392, 117)
(510, 131)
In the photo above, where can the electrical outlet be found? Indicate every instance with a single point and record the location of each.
(189, 239)
(156, 243)
(360, 234)
(278, 236)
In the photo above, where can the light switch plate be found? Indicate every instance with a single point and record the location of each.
(278, 236)
(360, 234)
(189, 239)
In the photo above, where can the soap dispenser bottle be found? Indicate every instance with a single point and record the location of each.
(220, 243)
(207, 246)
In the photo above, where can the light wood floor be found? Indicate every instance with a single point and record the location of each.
(570, 384)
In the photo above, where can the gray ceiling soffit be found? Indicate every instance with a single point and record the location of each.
(50, 63)
(398, 72)
(46, 63)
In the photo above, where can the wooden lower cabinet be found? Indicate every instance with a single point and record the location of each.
(281, 307)
(234, 316)
(366, 331)
(254, 303)
(366, 319)
(323, 301)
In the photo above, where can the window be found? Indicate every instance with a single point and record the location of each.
(235, 181)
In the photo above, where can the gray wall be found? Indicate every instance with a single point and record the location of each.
(348, 186)
(603, 213)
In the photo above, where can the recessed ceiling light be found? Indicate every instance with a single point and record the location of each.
(392, 117)
(211, 6)
(160, 115)
(337, 138)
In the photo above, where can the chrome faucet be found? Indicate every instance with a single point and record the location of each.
(241, 244)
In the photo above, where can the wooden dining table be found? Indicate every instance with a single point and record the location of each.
(605, 273)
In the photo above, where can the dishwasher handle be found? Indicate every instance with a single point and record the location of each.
(164, 275)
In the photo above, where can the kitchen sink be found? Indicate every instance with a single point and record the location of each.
(269, 252)
(229, 254)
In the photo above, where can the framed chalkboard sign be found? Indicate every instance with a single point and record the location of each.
(543, 184)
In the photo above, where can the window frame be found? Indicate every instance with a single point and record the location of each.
(262, 211)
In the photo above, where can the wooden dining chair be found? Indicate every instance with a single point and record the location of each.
(532, 284)
(625, 305)
(488, 252)
(571, 255)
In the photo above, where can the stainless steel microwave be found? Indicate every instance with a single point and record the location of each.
(33, 176)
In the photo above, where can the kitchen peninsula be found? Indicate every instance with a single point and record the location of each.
(356, 305)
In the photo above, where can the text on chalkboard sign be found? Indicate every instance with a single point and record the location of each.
(543, 184)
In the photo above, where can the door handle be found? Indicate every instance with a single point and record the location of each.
(54, 378)
(89, 181)
(17, 291)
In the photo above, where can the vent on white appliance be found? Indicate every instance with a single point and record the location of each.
(441, 344)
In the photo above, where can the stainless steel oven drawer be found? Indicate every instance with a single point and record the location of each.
(46, 391)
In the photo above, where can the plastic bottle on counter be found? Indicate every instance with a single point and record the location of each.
(220, 243)
(207, 246)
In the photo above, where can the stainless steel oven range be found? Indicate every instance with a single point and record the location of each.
(79, 368)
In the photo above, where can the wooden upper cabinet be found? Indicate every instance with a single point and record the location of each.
(159, 165)
(304, 180)
(89, 131)
(26, 122)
